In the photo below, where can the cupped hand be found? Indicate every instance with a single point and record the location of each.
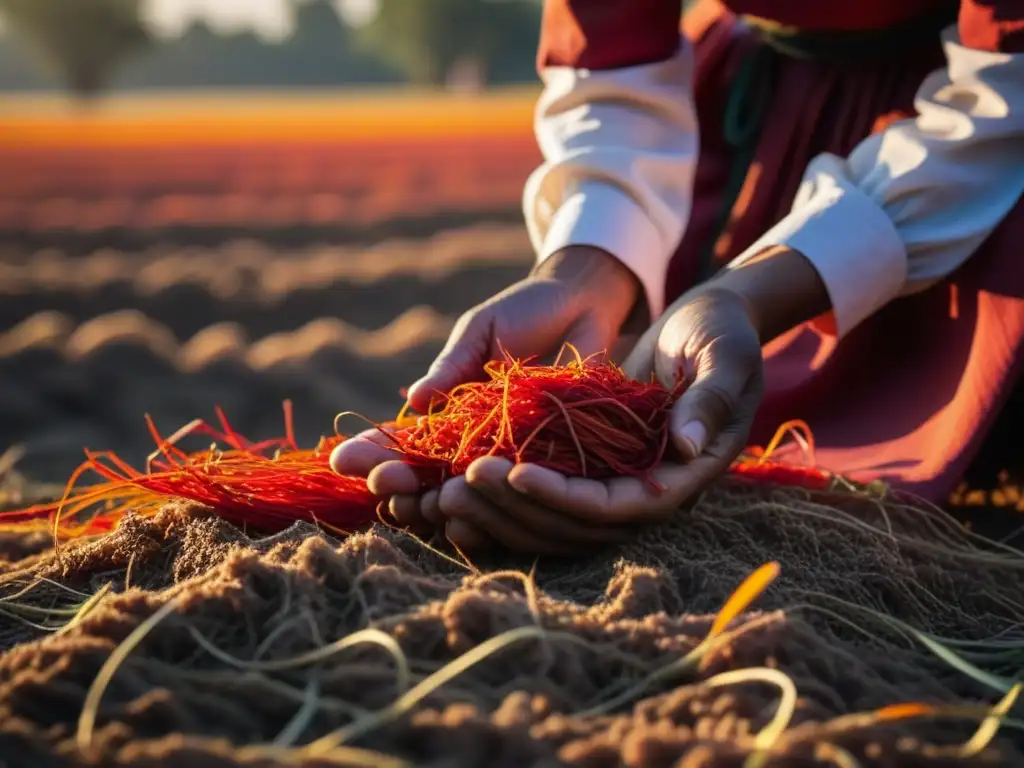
(580, 295)
(475, 510)
(709, 338)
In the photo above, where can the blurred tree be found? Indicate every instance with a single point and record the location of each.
(319, 54)
(431, 39)
(84, 41)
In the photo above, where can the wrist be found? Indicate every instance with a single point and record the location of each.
(583, 263)
(592, 270)
(778, 287)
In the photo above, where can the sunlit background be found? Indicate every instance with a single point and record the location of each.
(235, 202)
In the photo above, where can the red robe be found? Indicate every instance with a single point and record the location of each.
(909, 395)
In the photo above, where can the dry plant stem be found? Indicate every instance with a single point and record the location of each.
(836, 755)
(991, 718)
(18, 611)
(770, 734)
(53, 583)
(990, 725)
(988, 679)
(808, 508)
(90, 708)
(87, 607)
(404, 704)
(349, 757)
(748, 591)
(28, 622)
(298, 724)
(369, 635)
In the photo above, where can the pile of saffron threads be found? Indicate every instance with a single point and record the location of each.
(265, 486)
(756, 465)
(583, 419)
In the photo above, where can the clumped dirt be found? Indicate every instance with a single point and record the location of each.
(116, 305)
(92, 341)
(220, 681)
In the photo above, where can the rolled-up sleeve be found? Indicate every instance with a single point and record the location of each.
(913, 202)
(618, 132)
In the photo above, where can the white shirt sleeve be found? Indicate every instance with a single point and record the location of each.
(620, 152)
(913, 202)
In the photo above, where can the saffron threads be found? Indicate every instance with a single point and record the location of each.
(584, 419)
(756, 464)
(774, 473)
(266, 486)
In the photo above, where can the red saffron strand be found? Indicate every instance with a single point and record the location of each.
(584, 418)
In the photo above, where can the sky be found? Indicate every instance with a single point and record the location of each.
(270, 19)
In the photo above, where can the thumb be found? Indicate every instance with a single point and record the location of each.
(461, 361)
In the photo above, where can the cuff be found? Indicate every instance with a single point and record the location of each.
(601, 215)
(853, 245)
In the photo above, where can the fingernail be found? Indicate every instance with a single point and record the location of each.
(695, 434)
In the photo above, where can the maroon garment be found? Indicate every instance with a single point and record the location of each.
(908, 395)
(606, 34)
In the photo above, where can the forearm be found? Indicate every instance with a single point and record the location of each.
(780, 288)
(618, 132)
(910, 204)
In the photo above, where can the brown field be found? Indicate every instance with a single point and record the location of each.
(164, 256)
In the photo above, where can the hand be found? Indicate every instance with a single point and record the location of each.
(580, 295)
(476, 510)
(712, 337)
(709, 338)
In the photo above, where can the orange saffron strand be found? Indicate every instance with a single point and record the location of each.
(584, 418)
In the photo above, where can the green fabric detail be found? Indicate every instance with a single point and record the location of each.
(839, 46)
(745, 106)
(752, 88)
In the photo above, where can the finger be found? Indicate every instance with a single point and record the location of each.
(458, 501)
(460, 361)
(380, 435)
(725, 370)
(429, 507)
(616, 501)
(489, 477)
(393, 477)
(359, 455)
(622, 500)
(466, 537)
(405, 509)
(730, 441)
(716, 411)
